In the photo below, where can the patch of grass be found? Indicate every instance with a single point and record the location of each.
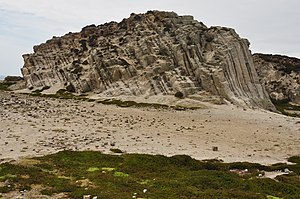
(119, 176)
(121, 103)
(6, 189)
(60, 94)
(145, 182)
(41, 90)
(273, 197)
(64, 94)
(179, 95)
(93, 169)
(295, 167)
(294, 159)
(108, 169)
(7, 176)
(284, 106)
(59, 130)
(4, 86)
(116, 150)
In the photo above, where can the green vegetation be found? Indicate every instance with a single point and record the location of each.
(41, 90)
(64, 94)
(273, 197)
(120, 176)
(116, 150)
(121, 103)
(4, 85)
(92, 169)
(179, 94)
(290, 67)
(284, 106)
(61, 94)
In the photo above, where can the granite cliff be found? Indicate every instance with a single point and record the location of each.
(157, 53)
(280, 75)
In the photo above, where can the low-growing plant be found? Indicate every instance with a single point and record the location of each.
(119, 176)
(121, 103)
(5, 85)
(284, 107)
(179, 94)
(116, 150)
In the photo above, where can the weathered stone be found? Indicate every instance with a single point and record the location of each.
(150, 54)
(87, 197)
(280, 75)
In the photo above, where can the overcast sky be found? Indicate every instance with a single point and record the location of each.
(272, 26)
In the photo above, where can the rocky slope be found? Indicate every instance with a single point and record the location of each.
(149, 54)
(280, 75)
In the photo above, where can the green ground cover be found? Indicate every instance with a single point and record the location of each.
(120, 176)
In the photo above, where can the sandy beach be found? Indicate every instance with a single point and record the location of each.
(35, 126)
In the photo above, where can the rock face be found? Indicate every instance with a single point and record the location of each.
(149, 54)
(280, 75)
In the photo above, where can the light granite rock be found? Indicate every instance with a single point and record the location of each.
(150, 54)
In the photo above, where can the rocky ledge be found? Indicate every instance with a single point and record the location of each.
(156, 53)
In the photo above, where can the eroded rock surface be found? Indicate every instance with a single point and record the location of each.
(280, 75)
(149, 54)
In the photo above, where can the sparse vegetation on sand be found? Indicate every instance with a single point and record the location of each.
(148, 176)
(63, 94)
(121, 103)
(286, 108)
(4, 85)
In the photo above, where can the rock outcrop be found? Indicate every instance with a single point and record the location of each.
(14, 82)
(280, 75)
(149, 54)
(13, 79)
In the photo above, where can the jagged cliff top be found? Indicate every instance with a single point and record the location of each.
(129, 24)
